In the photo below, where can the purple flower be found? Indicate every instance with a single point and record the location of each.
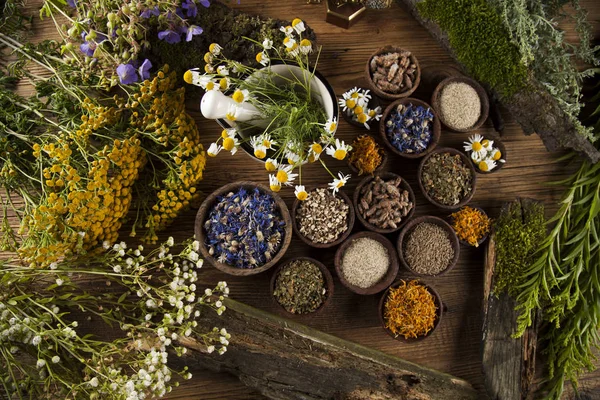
(179, 12)
(205, 3)
(192, 30)
(144, 69)
(72, 3)
(148, 12)
(127, 74)
(191, 8)
(169, 36)
(88, 48)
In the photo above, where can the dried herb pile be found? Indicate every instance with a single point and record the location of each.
(410, 310)
(446, 178)
(300, 287)
(366, 155)
(471, 225)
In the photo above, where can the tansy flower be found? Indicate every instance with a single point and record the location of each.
(305, 46)
(298, 25)
(222, 70)
(285, 175)
(287, 30)
(215, 49)
(274, 184)
(267, 44)
(331, 125)
(338, 183)
(340, 150)
(231, 144)
(262, 58)
(486, 165)
(233, 112)
(271, 165)
(214, 149)
(240, 96)
(300, 193)
(474, 144)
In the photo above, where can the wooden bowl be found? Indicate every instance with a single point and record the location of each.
(386, 95)
(500, 146)
(388, 277)
(439, 312)
(435, 138)
(340, 239)
(384, 159)
(466, 160)
(385, 176)
(373, 103)
(480, 241)
(405, 234)
(485, 104)
(326, 276)
(207, 206)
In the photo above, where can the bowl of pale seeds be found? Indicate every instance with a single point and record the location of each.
(461, 103)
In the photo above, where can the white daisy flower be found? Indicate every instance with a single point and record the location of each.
(340, 150)
(331, 125)
(496, 155)
(214, 149)
(488, 145)
(271, 165)
(285, 175)
(298, 25)
(301, 193)
(267, 141)
(263, 58)
(474, 144)
(338, 183)
(231, 144)
(486, 165)
(305, 46)
(274, 183)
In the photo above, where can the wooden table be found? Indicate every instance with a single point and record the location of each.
(455, 346)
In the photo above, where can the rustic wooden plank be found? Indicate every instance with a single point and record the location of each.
(285, 360)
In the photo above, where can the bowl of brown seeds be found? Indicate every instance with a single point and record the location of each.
(447, 178)
(323, 220)
(393, 73)
(384, 202)
(461, 103)
(366, 263)
(428, 245)
(302, 286)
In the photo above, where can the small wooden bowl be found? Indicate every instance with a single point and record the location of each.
(384, 159)
(326, 276)
(385, 176)
(340, 239)
(373, 103)
(386, 95)
(207, 206)
(405, 234)
(435, 138)
(439, 312)
(466, 160)
(483, 98)
(390, 274)
(480, 241)
(498, 144)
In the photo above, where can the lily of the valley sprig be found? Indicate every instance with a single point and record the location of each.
(355, 103)
(297, 130)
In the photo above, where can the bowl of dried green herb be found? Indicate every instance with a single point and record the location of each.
(243, 228)
(461, 103)
(366, 263)
(384, 202)
(302, 286)
(447, 178)
(410, 311)
(428, 245)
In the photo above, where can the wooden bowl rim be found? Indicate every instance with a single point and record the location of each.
(386, 95)
(435, 138)
(500, 145)
(388, 277)
(328, 285)
(439, 311)
(385, 176)
(384, 158)
(341, 238)
(480, 241)
(210, 201)
(454, 242)
(483, 98)
(466, 160)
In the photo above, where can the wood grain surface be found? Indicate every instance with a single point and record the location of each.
(455, 347)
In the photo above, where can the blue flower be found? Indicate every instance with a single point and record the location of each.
(144, 69)
(148, 12)
(72, 3)
(169, 36)
(190, 7)
(88, 48)
(127, 74)
(192, 30)
(205, 3)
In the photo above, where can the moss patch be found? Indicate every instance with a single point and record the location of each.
(480, 40)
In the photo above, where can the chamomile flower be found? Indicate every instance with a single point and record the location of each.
(331, 125)
(267, 44)
(267, 141)
(224, 83)
(287, 30)
(363, 118)
(293, 50)
(240, 95)
(274, 183)
(271, 165)
(476, 157)
(292, 158)
(233, 112)
(289, 42)
(231, 144)
(338, 182)
(339, 151)
(315, 152)
(263, 58)
(285, 175)
(260, 152)
(374, 113)
(474, 144)
(206, 83)
(305, 46)
(222, 70)
(347, 104)
(228, 132)
(209, 57)
(300, 192)
(298, 25)
(486, 165)
(496, 155)
(192, 76)
(488, 145)
(215, 49)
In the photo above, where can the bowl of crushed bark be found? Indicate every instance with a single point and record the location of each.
(393, 73)
(384, 202)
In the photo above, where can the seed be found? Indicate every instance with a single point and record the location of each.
(428, 250)
(365, 262)
(460, 105)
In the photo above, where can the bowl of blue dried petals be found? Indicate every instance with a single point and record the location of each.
(243, 228)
